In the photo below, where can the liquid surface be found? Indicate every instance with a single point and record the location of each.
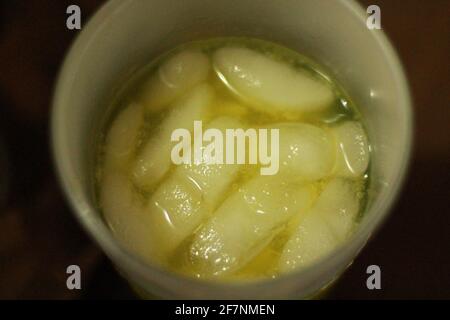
(229, 222)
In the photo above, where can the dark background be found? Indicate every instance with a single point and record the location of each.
(39, 237)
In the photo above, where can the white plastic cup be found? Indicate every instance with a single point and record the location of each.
(126, 34)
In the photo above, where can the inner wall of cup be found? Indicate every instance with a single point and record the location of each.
(127, 34)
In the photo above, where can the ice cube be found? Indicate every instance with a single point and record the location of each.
(175, 77)
(339, 205)
(174, 211)
(214, 179)
(305, 151)
(353, 149)
(126, 214)
(122, 137)
(154, 160)
(322, 228)
(312, 240)
(269, 85)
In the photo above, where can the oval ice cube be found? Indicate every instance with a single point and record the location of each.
(122, 137)
(339, 205)
(174, 211)
(269, 85)
(126, 214)
(306, 152)
(322, 228)
(213, 179)
(311, 241)
(353, 149)
(175, 77)
(154, 160)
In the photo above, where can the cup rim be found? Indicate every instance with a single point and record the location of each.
(128, 262)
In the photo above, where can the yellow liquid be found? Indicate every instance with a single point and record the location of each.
(264, 262)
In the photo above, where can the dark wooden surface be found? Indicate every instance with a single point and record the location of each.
(39, 237)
